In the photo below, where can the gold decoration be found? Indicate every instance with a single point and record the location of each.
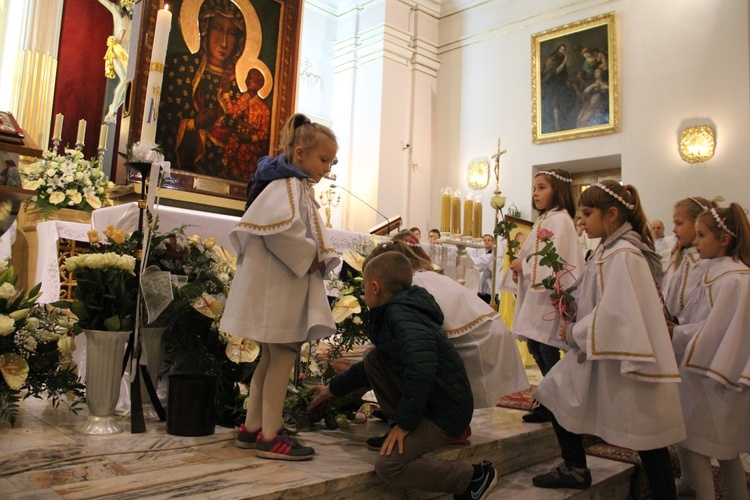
(478, 174)
(329, 199)
(697, 144)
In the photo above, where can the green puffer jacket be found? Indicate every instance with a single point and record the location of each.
(407, 331)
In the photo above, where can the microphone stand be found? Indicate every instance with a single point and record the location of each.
(387, 220)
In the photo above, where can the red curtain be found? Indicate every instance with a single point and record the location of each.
(80, 84)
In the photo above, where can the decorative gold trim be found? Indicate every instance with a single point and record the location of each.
(319, 229)
(157, 66)
(697, 144)
(561, 32)
(657, 375)
(471, 324)
(275, 225)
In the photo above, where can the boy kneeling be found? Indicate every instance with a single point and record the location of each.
(420, 383)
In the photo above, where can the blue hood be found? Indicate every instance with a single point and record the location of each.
(271, 168)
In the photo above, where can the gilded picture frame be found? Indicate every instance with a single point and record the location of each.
(215, 119)
(574, 85)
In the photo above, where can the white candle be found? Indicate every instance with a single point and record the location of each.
(57, 134)
(156, 75)
(81, 132)
(103, 137)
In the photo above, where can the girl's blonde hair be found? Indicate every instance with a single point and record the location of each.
(419, 260)
(562, 189)
(625, 199)
(300, 131)
(692, 207)
(734, 223)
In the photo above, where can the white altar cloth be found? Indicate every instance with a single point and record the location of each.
(203, 224)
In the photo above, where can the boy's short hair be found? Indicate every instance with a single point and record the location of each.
(391, 269)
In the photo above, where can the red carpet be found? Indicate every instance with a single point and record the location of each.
(517, 401)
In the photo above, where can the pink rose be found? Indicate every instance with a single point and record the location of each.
(544, 234)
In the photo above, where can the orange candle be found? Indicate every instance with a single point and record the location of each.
(456, 213)
(445, 210)
(468, 215)
(477, 227)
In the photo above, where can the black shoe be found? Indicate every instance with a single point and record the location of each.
(481, 486)
(562, 477)
(537, 415)
(375, 443)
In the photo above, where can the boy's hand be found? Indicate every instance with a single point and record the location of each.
(322, 394)
(396, 435)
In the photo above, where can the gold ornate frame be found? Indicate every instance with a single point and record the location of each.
(284, 83)
(594, 32)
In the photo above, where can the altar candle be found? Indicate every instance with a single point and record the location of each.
(57, 134)
(477, 230)
(156, 75)
(103, 137)
(456, 213)
(445, 210)
(468, 214)
(81, 132)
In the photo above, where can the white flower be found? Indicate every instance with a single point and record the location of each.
(93, 201)
(3, 265)
(56, 198)
(66, 345)
(356, 320)
(33, 185)
(7, 291)
(7, 325)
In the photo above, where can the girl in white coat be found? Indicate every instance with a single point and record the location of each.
(277, 296)
(553, 198)
(712, 346)
(619, 379)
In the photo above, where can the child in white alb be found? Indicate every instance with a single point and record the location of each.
(711, 344)
(553, 198)
(278, 297)
(619, 379)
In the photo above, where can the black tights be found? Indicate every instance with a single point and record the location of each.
(657, 463)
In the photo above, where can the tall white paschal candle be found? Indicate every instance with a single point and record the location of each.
(156, 75)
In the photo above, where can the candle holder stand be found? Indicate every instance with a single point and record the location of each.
(100, 156)
(79, 146)
(329, 199)
(55, 144)
(498, 215)
(461, 245)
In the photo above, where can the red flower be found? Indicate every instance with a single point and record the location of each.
(544, 234)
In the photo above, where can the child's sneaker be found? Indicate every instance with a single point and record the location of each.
(282, 447)
(480, 486)
(562, 477)
(246, 439)
(375, 443)
(462, 438)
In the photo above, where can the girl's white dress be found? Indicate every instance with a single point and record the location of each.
(273, 298)
(481, 338)
(712, 345)
(680, 281)
(534, 317)
(619, 379)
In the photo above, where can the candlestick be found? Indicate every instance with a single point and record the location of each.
(456, 213)
(81, 138)
(477, 227)
(445, 210)
(57, 134)
(468, 215)
(103, 136)
(156, 75)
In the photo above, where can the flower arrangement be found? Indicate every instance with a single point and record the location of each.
(503, 230)
(143, 153)
(36, 345)
(562, 298)
(106, 287)
(349, 311)
(66, 181)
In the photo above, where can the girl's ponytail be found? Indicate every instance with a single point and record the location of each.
(637, 216)
(740, 249)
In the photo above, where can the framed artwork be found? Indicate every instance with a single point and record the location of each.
(229, 85)
(574, 80)
(521, 231)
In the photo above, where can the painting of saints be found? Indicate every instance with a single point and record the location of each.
(213, 117)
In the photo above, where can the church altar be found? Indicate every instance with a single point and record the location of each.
(204, 224)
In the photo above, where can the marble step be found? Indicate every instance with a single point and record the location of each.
(610, 481)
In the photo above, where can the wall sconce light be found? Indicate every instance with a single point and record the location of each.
(478, 174)
(697, 144)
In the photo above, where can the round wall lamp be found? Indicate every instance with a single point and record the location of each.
(478, 174)
(697, 144)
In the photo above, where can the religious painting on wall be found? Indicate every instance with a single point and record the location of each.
(229, 85)
(574, 80)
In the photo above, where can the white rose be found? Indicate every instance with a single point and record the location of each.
(56, 198)
(66, 345)
(7, 325)
(51, 172)
(7, 291)
(79, 175)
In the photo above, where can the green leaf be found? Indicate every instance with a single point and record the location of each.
(79, 309)
(112, 323)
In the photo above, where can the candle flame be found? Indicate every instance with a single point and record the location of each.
(166, 6)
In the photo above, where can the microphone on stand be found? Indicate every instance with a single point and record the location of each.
(387, 220)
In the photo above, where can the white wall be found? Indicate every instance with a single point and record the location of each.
(681, 62)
